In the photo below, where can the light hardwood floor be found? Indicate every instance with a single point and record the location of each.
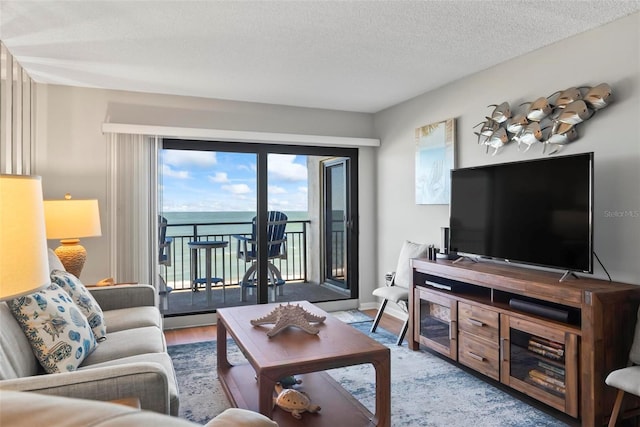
(208, 333)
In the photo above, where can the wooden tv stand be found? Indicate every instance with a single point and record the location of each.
(554, 341)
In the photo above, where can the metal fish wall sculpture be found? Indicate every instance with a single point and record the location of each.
(501, 113)
(530, 134)
(566, 97)
(497, 140)
(538, 109)
(599, 96)
(561, 134)
(516, 123)
(488, 128)
(569, 108)
(574, 113)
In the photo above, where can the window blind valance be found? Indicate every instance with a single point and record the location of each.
(240, 136)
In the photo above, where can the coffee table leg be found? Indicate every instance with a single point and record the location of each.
(265, 395)
(221, 346)
(383, 391)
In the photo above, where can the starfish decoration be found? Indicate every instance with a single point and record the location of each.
(289, 315)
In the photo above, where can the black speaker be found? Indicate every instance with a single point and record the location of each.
(444, 244)
(540, 309)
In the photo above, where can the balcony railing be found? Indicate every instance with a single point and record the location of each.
(178, 273)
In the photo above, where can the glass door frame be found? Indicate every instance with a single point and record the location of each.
(327, 221)
(262, 151)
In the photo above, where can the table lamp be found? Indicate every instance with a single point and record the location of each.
(24, 265)
(69, 220)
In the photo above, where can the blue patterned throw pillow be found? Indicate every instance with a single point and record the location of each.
(58, 332)
(83, 300)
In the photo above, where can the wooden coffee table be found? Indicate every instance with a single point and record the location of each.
(295, 352)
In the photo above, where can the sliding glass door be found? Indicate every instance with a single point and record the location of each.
(266, 207)
(208, 205)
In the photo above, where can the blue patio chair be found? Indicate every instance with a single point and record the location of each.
(164, 258)
(276, 249)
(164, 242)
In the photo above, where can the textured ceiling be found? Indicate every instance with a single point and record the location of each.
(343, 55)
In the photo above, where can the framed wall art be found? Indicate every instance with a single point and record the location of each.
(435, 155)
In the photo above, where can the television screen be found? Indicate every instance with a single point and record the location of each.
(535, 212)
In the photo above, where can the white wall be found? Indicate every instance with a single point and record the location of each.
(608, 54)
(71, 152)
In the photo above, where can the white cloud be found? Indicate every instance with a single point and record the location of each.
(274, 189)
(303, 190)
(237, 188)
(251, 167)
(278, 204)
(189, 158)
(282, 166)
(167, 171)
(219, 178)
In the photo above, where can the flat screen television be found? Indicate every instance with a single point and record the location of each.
(537, 212)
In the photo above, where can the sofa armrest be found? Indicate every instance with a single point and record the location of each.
(124, 296)
(146, 381)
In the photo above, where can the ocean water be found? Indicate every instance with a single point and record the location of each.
(228, 219)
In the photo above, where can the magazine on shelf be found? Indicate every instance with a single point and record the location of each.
(546, 353)
(551, 367)
(545, 384)
(534, 373)
(533, 342)
(547, 342)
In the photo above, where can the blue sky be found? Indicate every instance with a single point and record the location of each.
(206, 181)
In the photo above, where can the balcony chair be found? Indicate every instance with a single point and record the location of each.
(626, 379)
(276, 247)
(164, 243)
(398, 284)
(164, 259)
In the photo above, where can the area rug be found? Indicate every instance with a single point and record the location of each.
(425, 389)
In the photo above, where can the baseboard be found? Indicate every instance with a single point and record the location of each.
(191, 321)
(195, 320)
(391, 310)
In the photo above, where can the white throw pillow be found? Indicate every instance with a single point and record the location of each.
(58, 332)
(83, 300)
(404, 272)
(54, 261)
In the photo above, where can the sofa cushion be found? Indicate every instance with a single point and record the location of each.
(16, 357)
(235, 417)
(58, 332)
(162, 359)
(30, 409)
(129, 342)
(83, 300)
(134, 317)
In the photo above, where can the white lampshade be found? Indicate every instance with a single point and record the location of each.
(69, 220)
(72, 219)
(24, 264)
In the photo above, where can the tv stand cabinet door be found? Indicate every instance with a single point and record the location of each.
(436, 324)
(540, 361)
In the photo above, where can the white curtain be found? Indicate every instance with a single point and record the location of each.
(132, 194)
(17, 123)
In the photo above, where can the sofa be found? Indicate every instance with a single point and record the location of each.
(131, 362)
(30, 409)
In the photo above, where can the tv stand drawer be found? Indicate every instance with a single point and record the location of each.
(477, 320)
(479, 355)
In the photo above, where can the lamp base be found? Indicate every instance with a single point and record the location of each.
(72, 255)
